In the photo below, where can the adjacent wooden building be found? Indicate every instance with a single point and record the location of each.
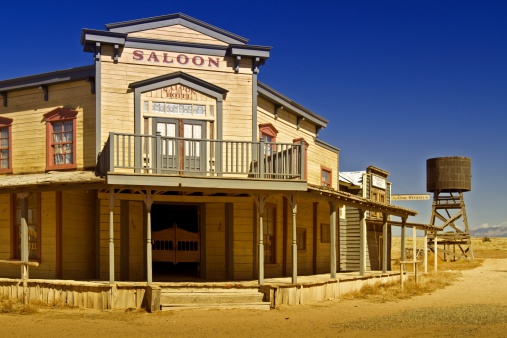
(167, 158)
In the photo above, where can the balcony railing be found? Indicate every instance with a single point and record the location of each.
(146, 154)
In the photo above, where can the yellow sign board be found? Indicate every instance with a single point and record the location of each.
(411, 197)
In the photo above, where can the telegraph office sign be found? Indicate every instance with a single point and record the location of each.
(378, 182)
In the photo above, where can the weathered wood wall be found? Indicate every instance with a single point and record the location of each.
(27, 107)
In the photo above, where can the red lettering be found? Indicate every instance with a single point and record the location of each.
(138, 55)
(167, 58)
(197, 60)
(180, 59)
(215, 62)
(153, 56)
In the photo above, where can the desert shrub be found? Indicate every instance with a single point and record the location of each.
(486, 239)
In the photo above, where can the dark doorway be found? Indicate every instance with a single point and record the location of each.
(176, 241)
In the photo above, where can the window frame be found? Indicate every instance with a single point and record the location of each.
(16, 231)
(6, 123)
(328, 184)
(60, 115)
(265, 224)
(268, 130)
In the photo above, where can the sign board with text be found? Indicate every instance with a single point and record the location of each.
(410, 197)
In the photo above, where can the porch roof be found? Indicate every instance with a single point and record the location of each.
(51, 180)
(344, 198)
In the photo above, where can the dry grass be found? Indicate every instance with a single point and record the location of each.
(15, 306)
(391, 291)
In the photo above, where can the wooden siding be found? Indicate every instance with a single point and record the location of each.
(244, 238)
(137, 241)
(177, 33)
(26, 108)
(78, 234)
(215, 241)
(286, 124)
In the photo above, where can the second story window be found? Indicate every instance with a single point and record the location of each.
(61, 139)
(267, 133)
(5, 145)
(326, 178)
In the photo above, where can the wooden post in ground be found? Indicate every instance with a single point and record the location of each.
(332, 234)
(425, 251)
(435, 244)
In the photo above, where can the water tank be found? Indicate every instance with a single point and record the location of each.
(453, 173)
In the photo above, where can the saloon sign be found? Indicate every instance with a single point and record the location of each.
(178, 59)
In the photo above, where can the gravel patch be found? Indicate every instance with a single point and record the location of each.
(477, 314)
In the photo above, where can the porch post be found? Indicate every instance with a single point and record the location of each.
(332, 234)
(294, 206)
(384, 243)
(403, 227)
(425, 251)
(23, 202)
(112, 199)
(362, 242)
(414, 244)
(435, 243)
(260, 201)
(148, 201)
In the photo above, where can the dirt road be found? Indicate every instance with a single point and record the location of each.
(474, 306)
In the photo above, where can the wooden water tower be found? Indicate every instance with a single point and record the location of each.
(448, 178)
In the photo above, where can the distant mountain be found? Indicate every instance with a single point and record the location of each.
(499, 231)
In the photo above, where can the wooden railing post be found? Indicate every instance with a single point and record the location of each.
(157, 153)
(261, 158)
(110, 166)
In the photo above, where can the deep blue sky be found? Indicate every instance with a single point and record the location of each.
(400, 81)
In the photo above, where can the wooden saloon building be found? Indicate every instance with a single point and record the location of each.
(168, 158)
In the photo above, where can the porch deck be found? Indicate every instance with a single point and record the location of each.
(277, 291)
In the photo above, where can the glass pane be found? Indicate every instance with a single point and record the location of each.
(186, 109)
(67, 137)
(199, 110)
(187, 131)
(57, 127)
(4, 133)
(4, 164)
(161, 129)
(158, 107)
(57, 138)
(171, 108)
(58, 159)
(4, 143)
(171, 130)
(197, 131)
(68, 159)
(4, 154)
(145, 106)
(67, 126)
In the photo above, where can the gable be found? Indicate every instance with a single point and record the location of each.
(177, 33)
(178, 92)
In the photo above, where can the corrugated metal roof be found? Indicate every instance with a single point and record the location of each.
(352, 177)
(49, 178)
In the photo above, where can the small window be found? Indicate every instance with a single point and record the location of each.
(326, 177)
(301, 238)
(5, 145)
(61, 139)
(269, 232)
(267, 133)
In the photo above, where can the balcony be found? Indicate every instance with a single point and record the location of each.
(131, 154)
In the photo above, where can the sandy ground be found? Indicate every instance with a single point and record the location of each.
(474, 306)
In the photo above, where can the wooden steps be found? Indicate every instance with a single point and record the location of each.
(211, 298)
